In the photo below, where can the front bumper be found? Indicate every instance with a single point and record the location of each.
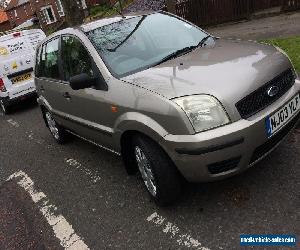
(228, 150)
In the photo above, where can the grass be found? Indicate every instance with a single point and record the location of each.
(291, 46)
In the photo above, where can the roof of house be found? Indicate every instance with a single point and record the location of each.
(16, 3)
(3, 16)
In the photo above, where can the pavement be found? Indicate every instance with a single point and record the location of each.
(80, 194)
(284, 25)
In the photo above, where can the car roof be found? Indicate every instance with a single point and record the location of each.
(106, 21)
(100, 23)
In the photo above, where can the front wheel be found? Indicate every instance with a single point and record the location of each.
(58, 133)
(158, 172)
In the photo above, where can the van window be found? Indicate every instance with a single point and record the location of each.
(49, 62)
(76, 59)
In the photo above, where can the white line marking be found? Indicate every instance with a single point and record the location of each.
(62, 229)
(174, 232)
(13, 123)
(73, 163)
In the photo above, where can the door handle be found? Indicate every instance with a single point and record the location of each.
(67, 95)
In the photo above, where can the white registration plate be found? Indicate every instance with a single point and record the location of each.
(282, 116)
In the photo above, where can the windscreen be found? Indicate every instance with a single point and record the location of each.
(134, 44)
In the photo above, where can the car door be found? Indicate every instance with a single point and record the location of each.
(49, 78)
(88, 108)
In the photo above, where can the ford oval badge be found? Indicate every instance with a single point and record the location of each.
(273, 91)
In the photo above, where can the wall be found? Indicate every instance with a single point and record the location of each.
(24, 12)
(42, 3)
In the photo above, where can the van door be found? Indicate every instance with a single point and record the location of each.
(17, 52)
(89, 108)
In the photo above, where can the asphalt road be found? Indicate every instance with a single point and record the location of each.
(109, 210)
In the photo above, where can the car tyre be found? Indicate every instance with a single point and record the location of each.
(160, 176)
(58, 132)
(4, 107)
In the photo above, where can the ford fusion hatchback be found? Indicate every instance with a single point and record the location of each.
(17, 51)
(175, 102)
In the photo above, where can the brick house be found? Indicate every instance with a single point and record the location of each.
(19, 11)
(4, 22)
(49, 12)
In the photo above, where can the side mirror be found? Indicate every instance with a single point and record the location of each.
(81, 81)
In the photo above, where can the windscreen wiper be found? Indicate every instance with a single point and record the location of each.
(201, 43)
(183, 51)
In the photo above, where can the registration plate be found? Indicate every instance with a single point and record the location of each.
(282, 116)
(22, 78)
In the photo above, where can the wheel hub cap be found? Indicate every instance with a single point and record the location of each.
(146, 171)
(52, 126)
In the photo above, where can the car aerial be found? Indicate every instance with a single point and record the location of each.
(175, 102)
(17, 52)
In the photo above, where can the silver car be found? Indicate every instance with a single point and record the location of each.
(175, 102)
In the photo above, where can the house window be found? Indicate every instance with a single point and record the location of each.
(48, 14)
(60, 8)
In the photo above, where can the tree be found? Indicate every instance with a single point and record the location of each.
(74, 12)
(171, 6)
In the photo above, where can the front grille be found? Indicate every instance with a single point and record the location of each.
(224, 166)
(273, 141)
(259, 99)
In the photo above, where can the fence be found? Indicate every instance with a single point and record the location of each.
(209, 12)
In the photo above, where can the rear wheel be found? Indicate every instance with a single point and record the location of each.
(58, 133)
(158, 172)
(4, 108)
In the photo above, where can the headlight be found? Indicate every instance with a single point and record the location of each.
(204, 111)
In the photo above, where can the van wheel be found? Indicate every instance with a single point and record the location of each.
(57, 131)
(158, 172)
(4, 107)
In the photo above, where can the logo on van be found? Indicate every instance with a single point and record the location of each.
(14, 65)
(3, 51)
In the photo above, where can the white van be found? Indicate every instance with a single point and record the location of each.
(17, 53)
